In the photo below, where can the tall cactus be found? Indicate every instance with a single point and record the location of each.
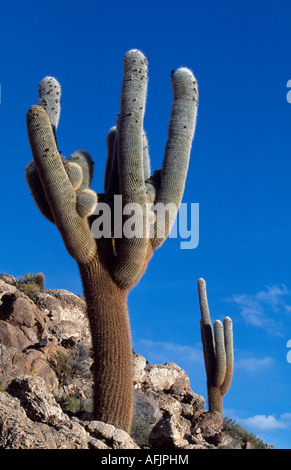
(218, 352)
(110, 267)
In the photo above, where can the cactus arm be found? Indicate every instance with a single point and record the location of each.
(49, 94)
(131, 252)
(37, 192)
(111, 180)
(146, 158)
(180, 135)
(203, 302)
(58, 190)
(220, 356)
(86, 198)
(206, 331)
(84, 161)
(75, 174)
(130, 127)
(109, 166)
(228, 338)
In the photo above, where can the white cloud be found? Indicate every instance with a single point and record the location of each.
(255, 365)
(265, 423)
(259, 309)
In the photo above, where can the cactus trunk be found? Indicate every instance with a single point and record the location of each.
(112, 351)
(215, 399)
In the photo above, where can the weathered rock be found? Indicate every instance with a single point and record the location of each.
(20, 321)
(163, 377)
(222, 440)
(7, 279)
(65, 315)
(38, 402)
(12, 337)
(139, 364)
(17, 431)
(15, 364)
(170, 433)
(18, 310)
(111, 436)
(208, 425)
(147, 407)
(38, 417)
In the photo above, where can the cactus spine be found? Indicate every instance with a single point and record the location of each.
(110, 267)
(218, 352)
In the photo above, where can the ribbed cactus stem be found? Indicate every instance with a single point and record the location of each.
(228, 344)
(220, 357)
(110, 143)
(111, 264)
(218, 352)
(37, 191)
(180, 136)
(112, 350)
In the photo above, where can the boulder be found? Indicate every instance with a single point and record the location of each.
(170, 433)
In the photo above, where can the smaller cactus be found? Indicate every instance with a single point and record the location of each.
(39, 280)
(218, 352)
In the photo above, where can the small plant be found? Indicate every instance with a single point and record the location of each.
(3, 386)
(72, 404)
(63, 368)
(140, 430)
(73, 364)
(241, 435)
(27, 283)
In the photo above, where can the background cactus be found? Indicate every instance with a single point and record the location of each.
(218, 352)
(40, 280)
(110, 267)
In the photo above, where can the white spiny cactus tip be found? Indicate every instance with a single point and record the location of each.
(184, 71)
(112, 130)
(134, 58)
(184, 84)
(49, 81)
(218, 324)
(201, 281)
(227, 320)
(135, 52)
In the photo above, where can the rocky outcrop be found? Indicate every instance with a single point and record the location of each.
(31, 418)
(46, 384)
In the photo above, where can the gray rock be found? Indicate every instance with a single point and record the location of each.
(170, 433)
(147, 407)
(111, 436)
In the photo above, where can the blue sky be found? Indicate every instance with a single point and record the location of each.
(239, 173)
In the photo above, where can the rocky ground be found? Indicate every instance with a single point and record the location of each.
(46, 384)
